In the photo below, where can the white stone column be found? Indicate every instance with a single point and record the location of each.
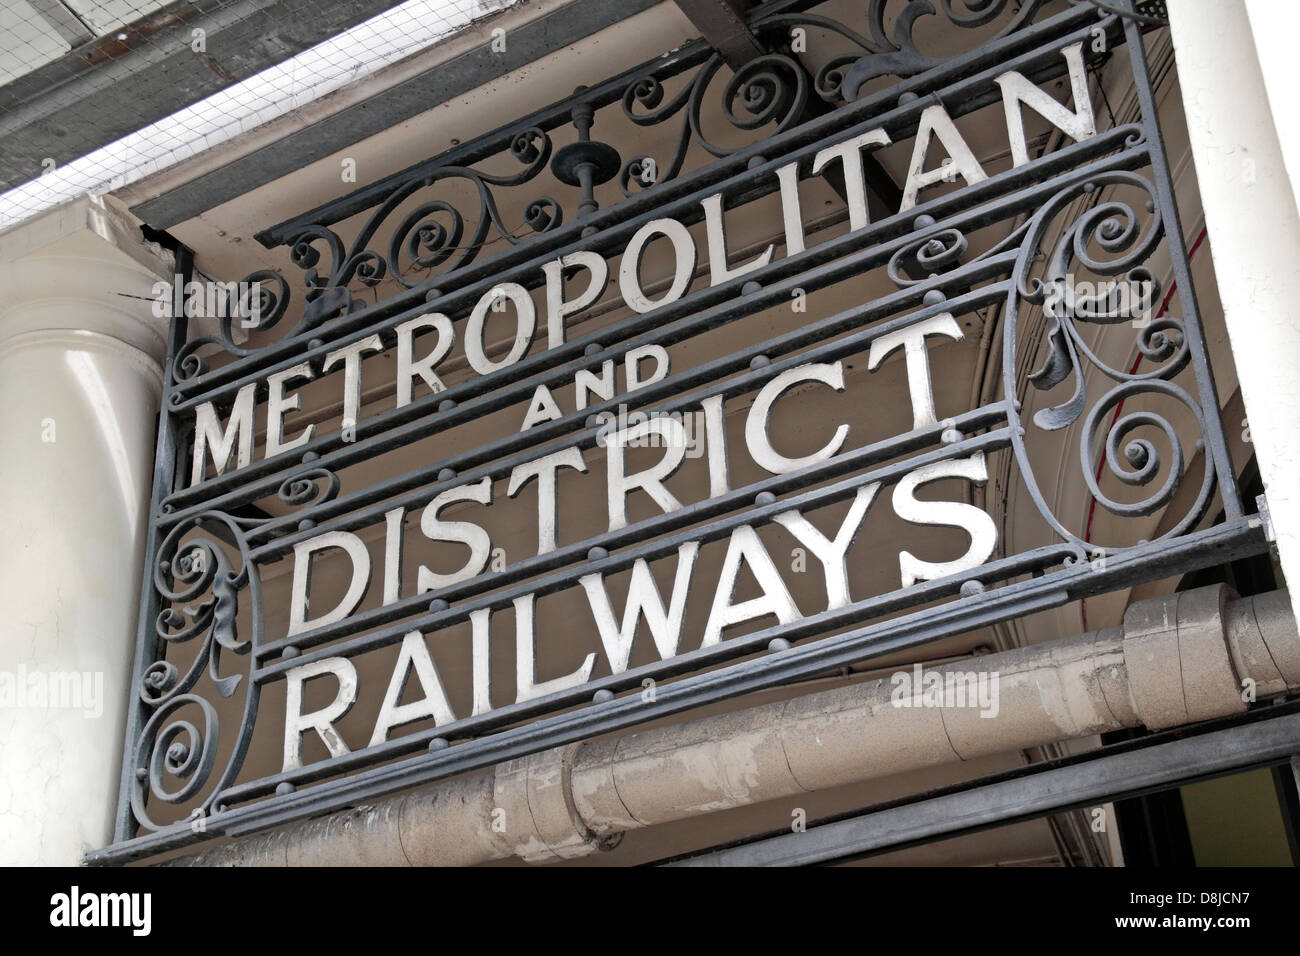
(1254, 231)
(80, 377)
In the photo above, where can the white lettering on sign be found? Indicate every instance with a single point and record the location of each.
(643, 451)
(912, 339)
(575, 281)
(660, 604)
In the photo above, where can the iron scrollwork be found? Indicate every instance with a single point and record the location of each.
(439, 237)
(195, 574)
(201, 590)
(843, 77)
(1125, 243)
(770, 90)
(434, 233)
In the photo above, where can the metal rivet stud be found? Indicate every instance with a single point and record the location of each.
(446, 474)
(602, 696)
(284, 789)
(438, 605)
(759, 361)
(764, 498)
(778, 644)
(971, 588)
(438, 743)
(289, 653)
(597, 554)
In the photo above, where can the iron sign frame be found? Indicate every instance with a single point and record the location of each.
(932, 234)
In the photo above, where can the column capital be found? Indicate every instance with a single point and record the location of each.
(83, 265)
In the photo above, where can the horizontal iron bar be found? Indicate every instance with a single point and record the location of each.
(1083, 781)
(617, 223)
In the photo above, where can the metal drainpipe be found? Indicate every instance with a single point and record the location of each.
(1176, 659)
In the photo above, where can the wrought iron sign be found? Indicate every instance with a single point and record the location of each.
(417, 573)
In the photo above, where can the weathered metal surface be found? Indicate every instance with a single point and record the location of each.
(198, 587)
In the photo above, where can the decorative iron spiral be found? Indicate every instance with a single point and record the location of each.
(1108, 239)
(305, 488)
